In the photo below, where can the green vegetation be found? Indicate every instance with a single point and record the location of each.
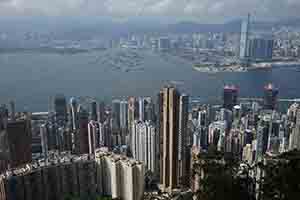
(220, 181)
(87, 197)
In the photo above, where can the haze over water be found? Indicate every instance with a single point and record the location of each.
(31, 78)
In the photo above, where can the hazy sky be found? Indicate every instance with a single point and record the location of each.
(200, 10)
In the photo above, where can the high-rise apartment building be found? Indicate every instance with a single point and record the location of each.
(19, 142)
(172, 130)
(144, 142)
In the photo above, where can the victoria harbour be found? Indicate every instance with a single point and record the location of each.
(37, 76)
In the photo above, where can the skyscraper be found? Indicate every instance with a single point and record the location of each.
(60, 106)
(74, 114)
(144, 144)
(44, 139)
(172, 107)
(270, 97)
(244, 38)
(141, 109)
(101, 112)
(93, 111)
(116, 114)
(83, 136)
(230, 95)
(149, 113)
(184, 150)
(93, 136)
(19, 142)
(133, 110)
(105, 137)
(123, 114)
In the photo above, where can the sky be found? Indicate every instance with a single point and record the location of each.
(200, 10)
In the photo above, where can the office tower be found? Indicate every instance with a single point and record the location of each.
(83, 132)
(244, 38)
(123, 114)
(74, 114)
(133, 110)
(270, 97)
(144, 144)
(101, 112)
(60, 107)
(116, 114)
(172, 106)
(230, 95)
(183, 139)
(12, 110)
(93, 111)
(19, 142)
(44, 139)
(260, 48)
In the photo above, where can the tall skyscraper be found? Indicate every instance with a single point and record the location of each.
(230, 95)
(116, 114)
(294, 142)
(93, 111)
(262, 138)
(60, 106)
(270, 97)
(144, 144)
(149, 113)
(101, 112)
(244, 38)
(133, 110)
(93, 136)
(141, 109)
(173, 109)
(19, 142)
(123, 114)
(74, 114)
(83, 136)
(44, 139)
(184, 149)
(105, 139)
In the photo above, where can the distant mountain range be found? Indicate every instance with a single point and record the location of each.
(78, 28)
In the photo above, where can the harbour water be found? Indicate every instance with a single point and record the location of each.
(31, 78)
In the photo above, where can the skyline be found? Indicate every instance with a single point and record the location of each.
(216, 11)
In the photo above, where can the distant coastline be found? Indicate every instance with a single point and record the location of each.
(213, 68)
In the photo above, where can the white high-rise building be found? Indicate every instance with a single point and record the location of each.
(144, 144)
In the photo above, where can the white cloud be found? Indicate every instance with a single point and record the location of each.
(204, 10)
